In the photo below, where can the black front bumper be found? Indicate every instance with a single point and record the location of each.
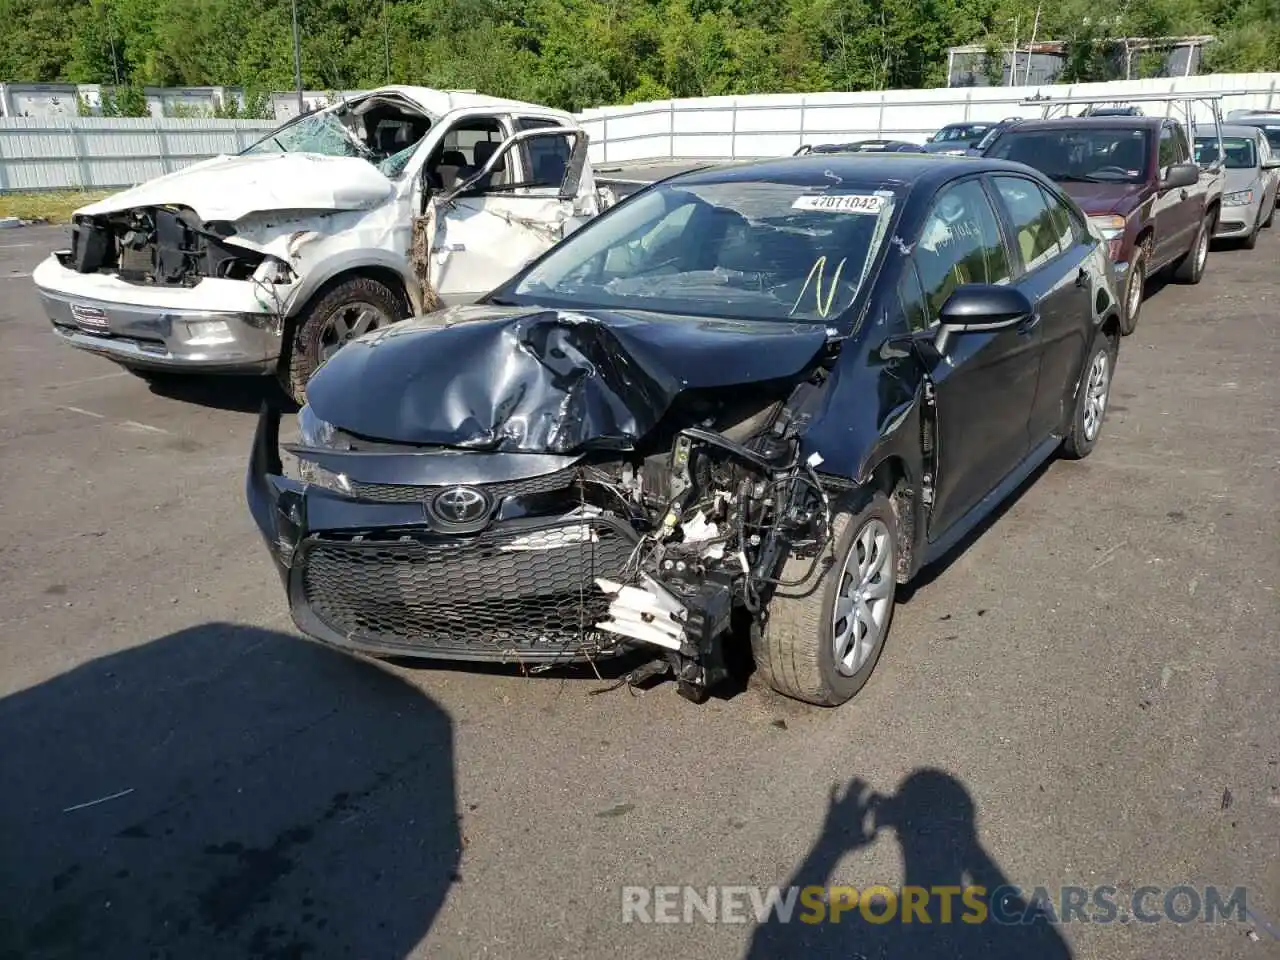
(374, 576)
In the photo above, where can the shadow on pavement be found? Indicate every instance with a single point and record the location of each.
(932, 816)
(231, 393)
(269, 798)
(940, 566)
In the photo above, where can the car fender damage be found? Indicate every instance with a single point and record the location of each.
(669, 471)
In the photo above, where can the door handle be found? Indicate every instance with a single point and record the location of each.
(1028, 325)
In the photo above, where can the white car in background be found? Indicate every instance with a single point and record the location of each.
(1252, 176)
(341, 221)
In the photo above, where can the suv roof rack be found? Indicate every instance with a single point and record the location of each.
(1058, 107)
(1049, 104)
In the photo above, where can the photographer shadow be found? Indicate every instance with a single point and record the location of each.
(932, 815)
(224, 791)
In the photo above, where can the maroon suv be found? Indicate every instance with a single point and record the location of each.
(1136, 179)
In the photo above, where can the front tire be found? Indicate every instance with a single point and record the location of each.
(1092, 398)
(348, 310)
(1190, 269)
(1135, 288)
(822, 639)
(1251, 241)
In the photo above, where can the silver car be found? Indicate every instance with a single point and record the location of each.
(1253, 172)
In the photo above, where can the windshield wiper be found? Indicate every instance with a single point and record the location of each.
(1078, 178)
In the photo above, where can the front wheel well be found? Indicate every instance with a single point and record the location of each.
(1111, 326)
(890, 477)
(389, 278)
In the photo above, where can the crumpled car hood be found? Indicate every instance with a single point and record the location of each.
(228, 188)
(539, 380)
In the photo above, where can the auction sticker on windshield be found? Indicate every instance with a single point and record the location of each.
(867, 203)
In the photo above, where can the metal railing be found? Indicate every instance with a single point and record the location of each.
(729, 128)
(45, 154)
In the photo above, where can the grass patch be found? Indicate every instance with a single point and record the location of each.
(56, 206)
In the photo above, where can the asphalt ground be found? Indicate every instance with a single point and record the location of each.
(1085, 696)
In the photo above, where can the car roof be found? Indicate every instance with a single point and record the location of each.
(1072, 123)
(1257, 120)
(874, 169)
(440, 102)
(1231, 130)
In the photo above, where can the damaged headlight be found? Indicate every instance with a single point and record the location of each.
(274, 271)
(319, 435)
(314, 432)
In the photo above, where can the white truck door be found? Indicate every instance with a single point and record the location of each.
(501, 216)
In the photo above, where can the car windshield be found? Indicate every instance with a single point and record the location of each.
(965, 132)
(321, 133)
(987, 137)
(1101, 154)
(326, 133)
(758, 250)
(1270, 130)
(1239, 150)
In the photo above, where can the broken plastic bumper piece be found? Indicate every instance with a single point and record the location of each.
(648, 612)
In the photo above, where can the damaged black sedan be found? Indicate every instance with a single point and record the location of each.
(743, 406)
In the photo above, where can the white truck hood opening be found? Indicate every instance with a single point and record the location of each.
(229, 188)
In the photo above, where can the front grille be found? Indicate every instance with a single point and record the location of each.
(407, 493)
(502, 594)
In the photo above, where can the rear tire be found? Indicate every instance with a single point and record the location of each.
(349, 309)
(1190, 269)
(1092, 398)
(851, 599)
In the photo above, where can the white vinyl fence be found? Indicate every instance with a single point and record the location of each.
(728, 128)
(44, 153)
(85, 153)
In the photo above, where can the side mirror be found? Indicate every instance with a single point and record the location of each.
(1272, 164)
(1180, 175)
(976, 307)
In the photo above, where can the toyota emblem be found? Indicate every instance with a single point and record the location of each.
(460, 506)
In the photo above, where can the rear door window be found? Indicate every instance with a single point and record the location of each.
(1066, 224)
(1036, 236)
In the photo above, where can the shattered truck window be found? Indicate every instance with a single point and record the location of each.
(321, 133)
(749, 250)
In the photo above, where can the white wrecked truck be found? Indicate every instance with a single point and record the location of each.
(388, 205)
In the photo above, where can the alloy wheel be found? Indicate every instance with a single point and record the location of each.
(349, 321)
(1137, 280)
(1095, 395)
(865, 597)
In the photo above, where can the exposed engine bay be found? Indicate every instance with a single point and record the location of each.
(158, 246)
(721, 511)
(549, 487)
